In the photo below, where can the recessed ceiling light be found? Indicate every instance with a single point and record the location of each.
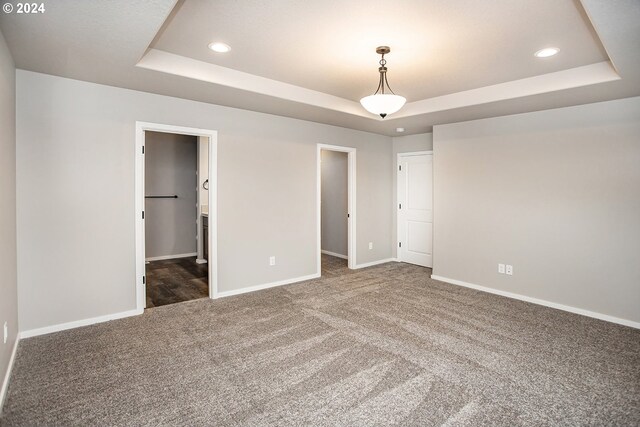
(547, 52)
(219, 47)
(400, 130)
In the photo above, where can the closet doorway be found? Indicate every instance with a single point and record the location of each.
(336, 209)
(176, 250)
(174, 272)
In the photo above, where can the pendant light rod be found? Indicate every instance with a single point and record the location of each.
(382, 102)
(383, 50)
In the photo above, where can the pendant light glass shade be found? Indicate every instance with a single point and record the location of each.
(383, 104)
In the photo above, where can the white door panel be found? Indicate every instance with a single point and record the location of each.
(420, 200)
(415, 209)
(418, 234)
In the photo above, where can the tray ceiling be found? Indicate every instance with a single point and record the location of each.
(313, 60)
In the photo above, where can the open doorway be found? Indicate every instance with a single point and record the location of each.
(336, 209)
(174, 272)
(176, 228)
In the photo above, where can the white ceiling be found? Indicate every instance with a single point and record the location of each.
(452, 60)
(437, 47)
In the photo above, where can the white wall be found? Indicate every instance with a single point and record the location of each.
(170, 169)
(554, 193)
(334, 200)
(404, 144)
(76, 151)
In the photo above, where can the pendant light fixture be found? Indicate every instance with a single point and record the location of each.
(382, 102)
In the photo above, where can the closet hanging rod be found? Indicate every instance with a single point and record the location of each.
(175, 196)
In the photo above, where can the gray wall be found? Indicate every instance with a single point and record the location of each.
(170, 168)
(404, 144)
(203, 194)
(8, 275)
(76, 150)
(554, 193)
(334, 196)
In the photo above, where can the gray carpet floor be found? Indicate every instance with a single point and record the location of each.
(384, 345)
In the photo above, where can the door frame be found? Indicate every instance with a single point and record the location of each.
(398, 157)
(351, 203)
(141, 128)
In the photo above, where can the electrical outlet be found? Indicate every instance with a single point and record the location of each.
(509, 270)
(272, 260)
(501, 268)
(6, 332)
(370, 245)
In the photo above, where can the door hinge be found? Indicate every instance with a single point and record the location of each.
(400, 167)
(400, 206)
(142, 214)
(399, 244)
(143, 149)
(348, 216)
(144, 280)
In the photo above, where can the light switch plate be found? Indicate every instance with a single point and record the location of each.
(509, 270)
(501, 268)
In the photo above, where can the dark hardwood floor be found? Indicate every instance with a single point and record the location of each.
(182, 279)
(175, 280)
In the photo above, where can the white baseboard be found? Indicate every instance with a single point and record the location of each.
(78, 323)
(335, 254)
(545, 303)
(265, 286)
(201, 261)
(7, 375)
(372, 263)
(160, 258)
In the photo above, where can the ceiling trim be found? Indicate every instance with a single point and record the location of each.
(586, 75)
(171, 63)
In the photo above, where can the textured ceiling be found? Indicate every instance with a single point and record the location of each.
(90, 40)
(438, 47)
(456, 60)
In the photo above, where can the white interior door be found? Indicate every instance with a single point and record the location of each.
(415, 209)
